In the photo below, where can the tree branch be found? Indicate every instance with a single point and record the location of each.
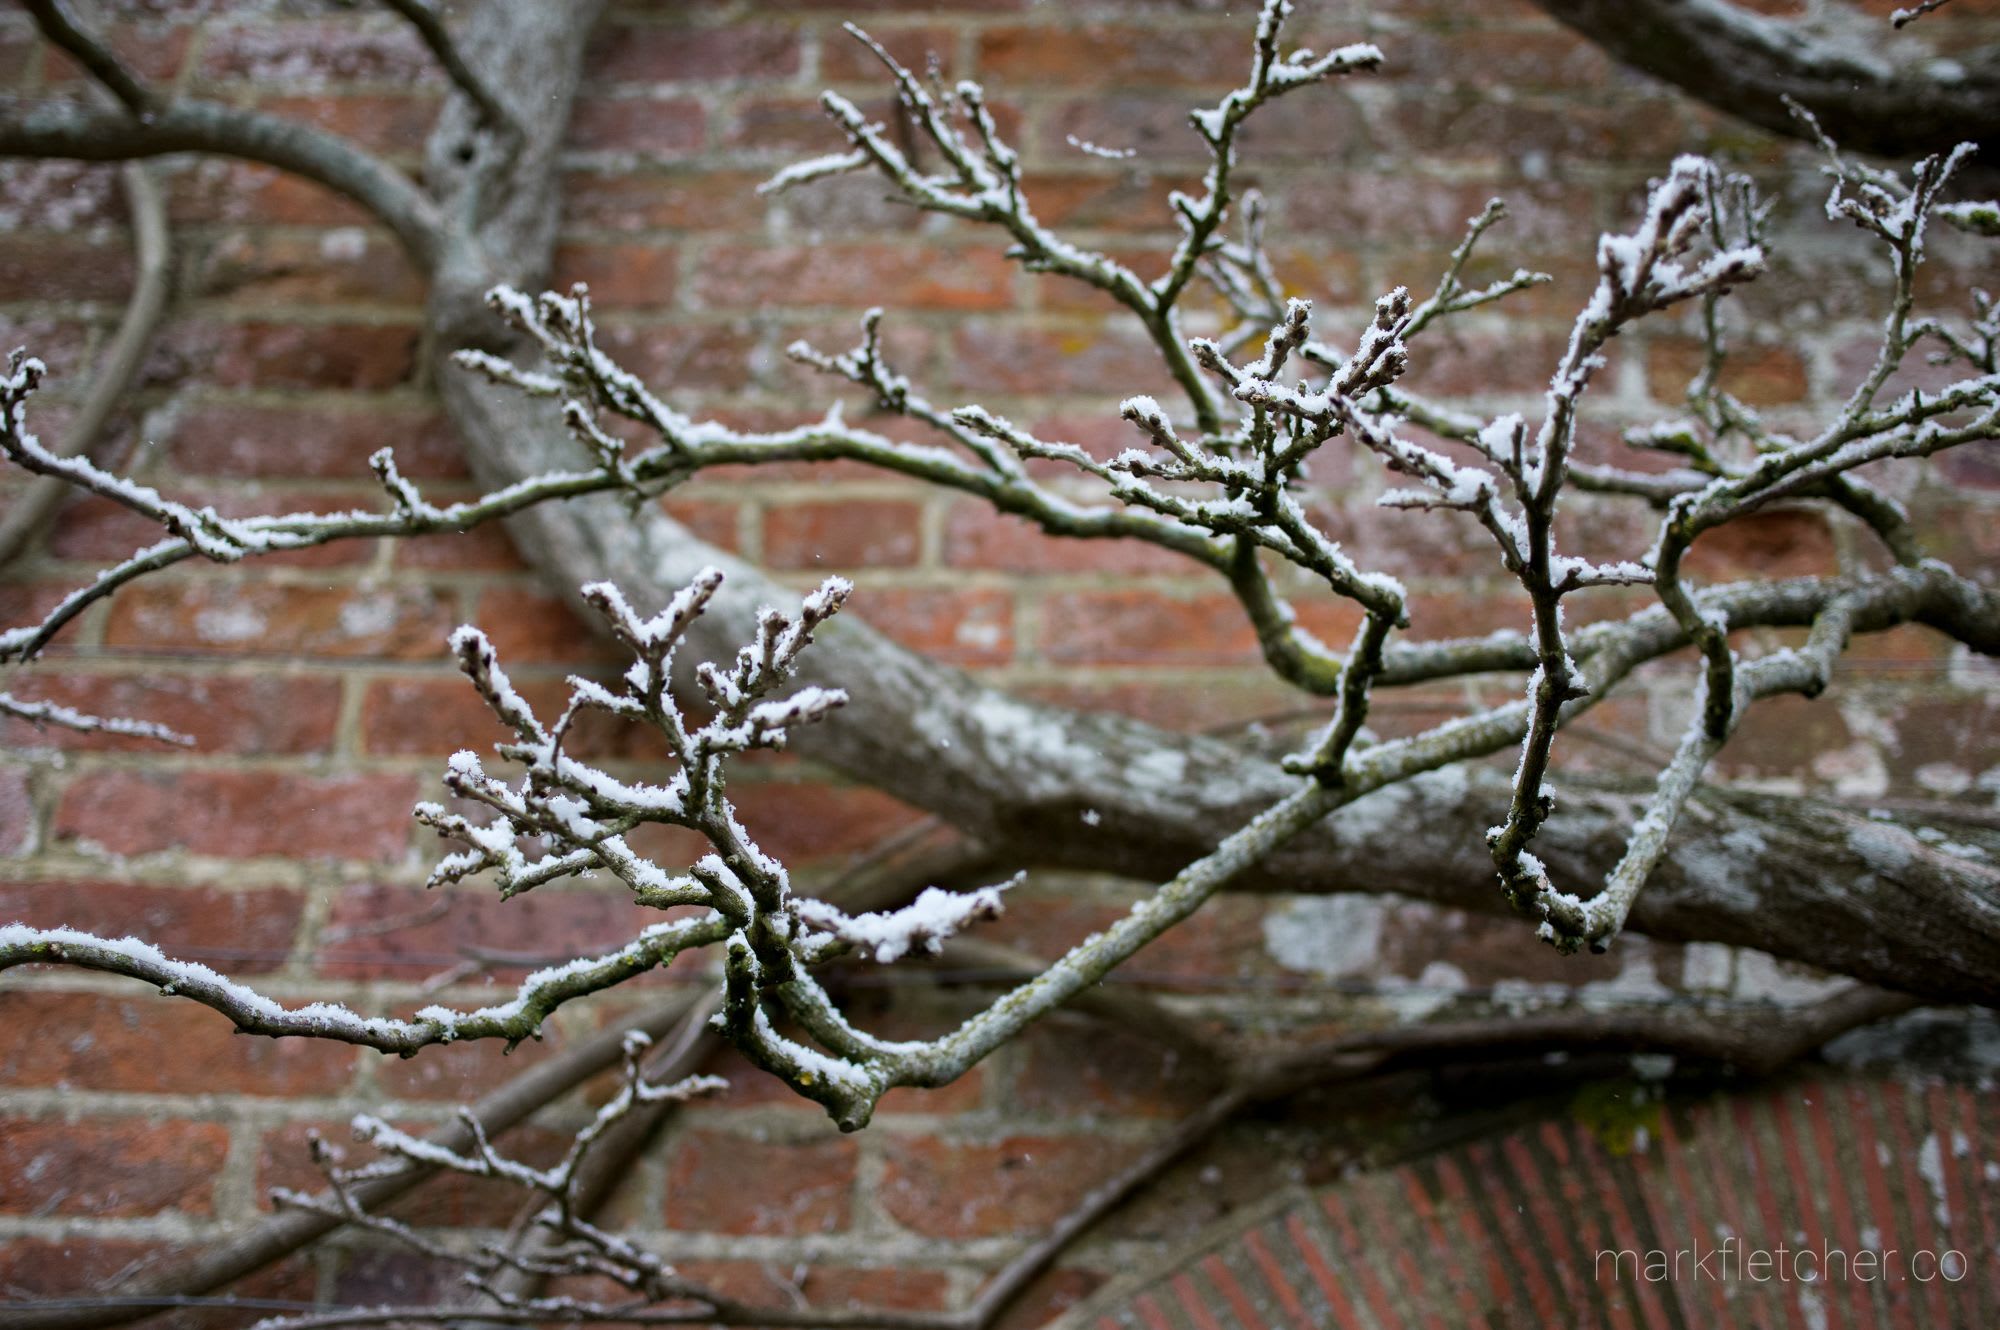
(118, 369)
(1872, 96)
(64, 129)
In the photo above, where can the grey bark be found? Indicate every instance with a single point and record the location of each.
(1874, 90)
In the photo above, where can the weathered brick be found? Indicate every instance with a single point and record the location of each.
(678, 195)
(718, 1182)
(110, 1167)
(842, 533)
(345, 266)
(1109, 57)
(435, 929)
(239, 814)
(450, 1199)
(530, 628)
(303, 56)
(358, 356)
(619, 276)
(825, 1286)
(808, 822)
(329, 440)
(978, 536)
(650, 126)
(102, 532)
(962, 626)
(1143, 627)
(899, 277)
(17, 810)
(246, 931)
(1018, 1184)
(153, 1045)
(269, 618)
(1780, 543)
(1076, 1067)
(390, 123)
(63, 268)
(1759, 375)
(645, 53)
(845, 60)
(1004, 358)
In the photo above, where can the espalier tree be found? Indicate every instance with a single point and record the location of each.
(721, 662)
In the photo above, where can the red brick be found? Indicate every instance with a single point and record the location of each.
(529, 628)
(619, 276)
(1524, 59)
(714, 356)
(978, 536)
(804, 823)
(329, 440)
(349, 266)
(1104, 57)
(1019, 1184)
(710, 521)
(824, 1287)
(1145, 628)
(111, 1167)
(238, 932)
(99, 531)
(47, 195)
(1076, 1068)
(899, 277)
(1782, 736)
(1469, 126)
(64, 268)
(962, 626)
(626, 53)
(989, 358)
(1759, 375)
(461, 1073)
(266, 618)
(1781, 543)
(240, 814)
(79, 1265)
(152, 52)
(483, 549)
(842, 533)
(93, 1041)
(17, 810)
(359, 356)
(435, 717)
(450, 1199)
(435, 929)
(215, 190)
(1048, 1296)
(390, 123)
(651, 126)
(301, 56)
(718, 1182)
(1435, 615)
(842, 59)
(683, 195)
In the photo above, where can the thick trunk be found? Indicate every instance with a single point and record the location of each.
(1874, 90)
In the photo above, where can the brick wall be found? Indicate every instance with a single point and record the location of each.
(316, 683)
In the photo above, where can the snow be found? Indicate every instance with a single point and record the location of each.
(921, 926)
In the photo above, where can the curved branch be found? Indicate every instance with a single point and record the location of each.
(83, 133)
(429, 24)
(26, 518)
(57, 24)
(1872, 97)
(539, 994)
